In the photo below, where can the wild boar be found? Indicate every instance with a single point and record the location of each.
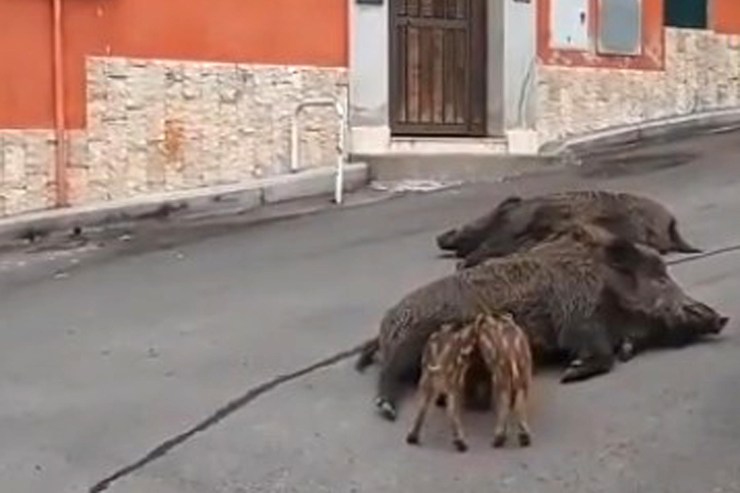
(445, 362)
(464, 240)
(502, 346)
(579, 295)
(517, 224)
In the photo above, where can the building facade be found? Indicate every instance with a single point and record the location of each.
(155, 96)
(654, 60)
(536, 70)
(146, 96)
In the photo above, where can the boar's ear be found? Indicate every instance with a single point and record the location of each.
(509, 202)
(623, 255)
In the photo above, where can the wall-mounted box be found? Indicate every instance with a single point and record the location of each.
(569, 25)
(620, 27)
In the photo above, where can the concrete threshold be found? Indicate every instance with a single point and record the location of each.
(196, 203)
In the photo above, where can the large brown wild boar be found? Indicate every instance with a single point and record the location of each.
(517, 224)
(579, 295)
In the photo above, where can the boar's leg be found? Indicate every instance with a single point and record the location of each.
(454, 403)
(629, 346)
(402, 366)
(502, 415)
(426, 396)
(520, 412)
(626, 350)
(594, 353)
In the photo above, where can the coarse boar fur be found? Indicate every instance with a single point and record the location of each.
(517, 224)
(579, 295)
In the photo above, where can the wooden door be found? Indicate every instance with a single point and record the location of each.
(438, 67)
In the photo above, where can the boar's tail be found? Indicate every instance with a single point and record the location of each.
(367, 354)
(679, 243)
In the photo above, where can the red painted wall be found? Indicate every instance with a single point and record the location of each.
(653, 46)
(299, 32)
(26, 98)
(725, 16)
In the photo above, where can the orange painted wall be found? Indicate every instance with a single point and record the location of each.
(653, 46)
(726, 16)
(299, 32)
(26, 98)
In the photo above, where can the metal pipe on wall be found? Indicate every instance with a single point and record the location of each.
(341, 139)
(60, 131)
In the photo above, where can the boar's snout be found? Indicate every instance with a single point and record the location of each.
(703, 319)
(696, 320)
(447, 240)
(721, 322)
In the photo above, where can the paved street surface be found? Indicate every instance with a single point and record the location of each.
(107, 354)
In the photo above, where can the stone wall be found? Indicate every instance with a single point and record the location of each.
(157, 126)
(702, 72)
(26, 172)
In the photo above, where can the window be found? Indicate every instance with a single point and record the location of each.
(686, 13)
(620, 27)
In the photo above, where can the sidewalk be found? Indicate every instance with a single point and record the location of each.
(185, 205)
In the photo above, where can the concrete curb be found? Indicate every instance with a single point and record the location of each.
(650, 130)
(211, 201)
(455, 168)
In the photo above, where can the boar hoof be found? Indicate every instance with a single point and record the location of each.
(579, 370)
(412, 439)
(525, 439)
(626, 351)
(499, 441)
(460, 445)
(386, 409)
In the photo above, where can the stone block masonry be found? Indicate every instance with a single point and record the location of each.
(702, 72)
(156, 126)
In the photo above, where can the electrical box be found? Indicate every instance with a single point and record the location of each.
(569, 25)
(620, 27)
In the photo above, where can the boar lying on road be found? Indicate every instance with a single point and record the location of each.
(517, 224)
(580, 294)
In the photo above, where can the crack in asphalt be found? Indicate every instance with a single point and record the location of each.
(703, 255)
(165, 447)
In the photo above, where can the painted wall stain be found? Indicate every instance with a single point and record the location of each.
(173, 146)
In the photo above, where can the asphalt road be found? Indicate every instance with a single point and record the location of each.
(127, 349)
